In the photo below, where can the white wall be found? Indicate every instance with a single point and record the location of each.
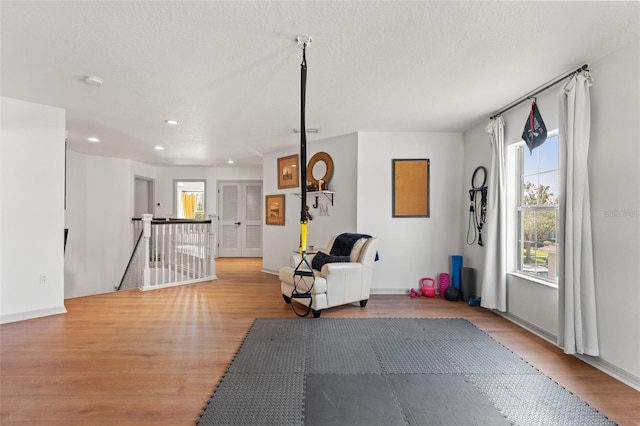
(98, 215)
(281, 241)
(32, 221)
(615, 210)
(615, 205)
(410, 248)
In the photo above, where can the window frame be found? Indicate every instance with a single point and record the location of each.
(518, 208)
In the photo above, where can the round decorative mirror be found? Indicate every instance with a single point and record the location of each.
(320, 168)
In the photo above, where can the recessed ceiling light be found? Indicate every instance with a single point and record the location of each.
(229, 161)
(93, 139)
(158, 148)
(172, 122)
(93, 80)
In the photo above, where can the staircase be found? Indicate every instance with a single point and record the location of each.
(170, 252)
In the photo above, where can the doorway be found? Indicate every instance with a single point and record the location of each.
(143, 200)
(240, 218)
(189, 199)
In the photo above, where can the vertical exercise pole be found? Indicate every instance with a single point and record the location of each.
(303, 155)
(303, 276)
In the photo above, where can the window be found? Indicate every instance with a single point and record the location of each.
(189, 200)
(537, 209)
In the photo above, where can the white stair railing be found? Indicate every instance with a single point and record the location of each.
(173, 252)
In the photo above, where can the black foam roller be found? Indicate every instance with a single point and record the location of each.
(468, 284)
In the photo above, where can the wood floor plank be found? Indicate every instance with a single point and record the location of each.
(155, 357)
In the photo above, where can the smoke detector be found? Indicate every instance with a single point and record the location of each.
(93, 80)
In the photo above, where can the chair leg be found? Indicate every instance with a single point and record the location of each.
(363, 303)
(286, 298)
(316, 314)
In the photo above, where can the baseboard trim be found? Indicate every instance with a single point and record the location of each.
(38, 313)
(269, 271)
(397, 291)
(529, 326)
(612, 370)
(606, 367)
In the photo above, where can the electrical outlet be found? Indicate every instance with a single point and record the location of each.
(43, 278)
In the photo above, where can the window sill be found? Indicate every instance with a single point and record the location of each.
(533, 279)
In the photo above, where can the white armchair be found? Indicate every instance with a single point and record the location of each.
(335, 283)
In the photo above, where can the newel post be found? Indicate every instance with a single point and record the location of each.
(146, 234)
(213, 228)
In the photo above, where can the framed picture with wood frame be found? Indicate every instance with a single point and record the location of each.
(288, 174)
(274, 206)
(410, 190)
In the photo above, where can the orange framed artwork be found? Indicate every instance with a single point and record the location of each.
(410, 188)
(288, 174)
(274, 206)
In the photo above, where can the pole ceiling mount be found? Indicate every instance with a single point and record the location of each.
(303, 40)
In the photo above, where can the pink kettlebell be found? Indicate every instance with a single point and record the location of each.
(428, 290)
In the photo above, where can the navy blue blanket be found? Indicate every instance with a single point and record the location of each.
(321, 258)
(343, 244)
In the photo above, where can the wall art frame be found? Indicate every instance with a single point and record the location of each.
(288, 172)
(410, 187)
(274, 209)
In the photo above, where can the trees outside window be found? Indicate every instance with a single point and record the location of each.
(537, 209)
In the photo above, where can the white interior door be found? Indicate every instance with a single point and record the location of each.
(240, 220)
(252, 212)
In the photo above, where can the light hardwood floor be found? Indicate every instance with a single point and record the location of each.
(155, 357)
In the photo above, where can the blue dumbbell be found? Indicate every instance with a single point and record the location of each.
(475, 302)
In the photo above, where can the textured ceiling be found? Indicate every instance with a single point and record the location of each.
(230, 71)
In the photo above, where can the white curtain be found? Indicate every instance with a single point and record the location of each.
(494, 279)
(577, 330)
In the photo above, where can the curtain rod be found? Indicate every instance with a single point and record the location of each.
(529, 95)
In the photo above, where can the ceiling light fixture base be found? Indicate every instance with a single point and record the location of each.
(93, 80)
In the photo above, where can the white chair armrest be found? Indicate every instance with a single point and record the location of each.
(340, 270)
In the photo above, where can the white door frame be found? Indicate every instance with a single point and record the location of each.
(175, 194)
(242, 250)
(151, 195)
